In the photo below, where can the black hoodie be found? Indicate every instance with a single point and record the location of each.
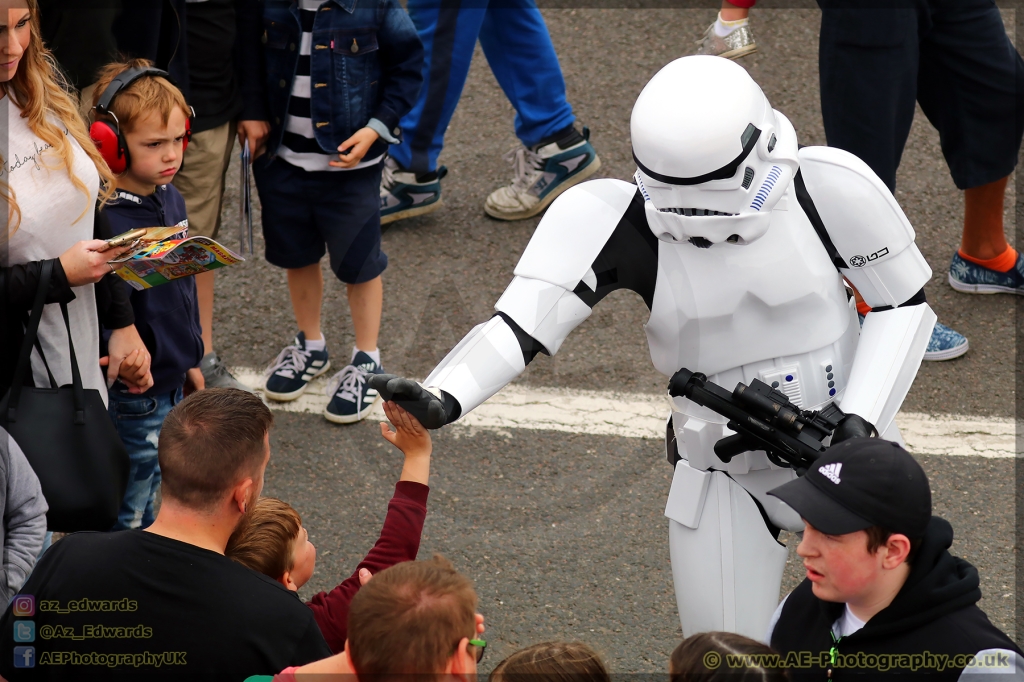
(931, 630)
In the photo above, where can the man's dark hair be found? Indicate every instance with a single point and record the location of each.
(410, 619)
(209, 442)
(878, 536)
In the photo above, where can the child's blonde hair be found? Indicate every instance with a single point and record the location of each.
(144, 96)
(265, 538)
(552, 662)
(40, 90)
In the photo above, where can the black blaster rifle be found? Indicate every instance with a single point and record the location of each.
(763, 419)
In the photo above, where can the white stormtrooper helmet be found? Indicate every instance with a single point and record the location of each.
(713, 157)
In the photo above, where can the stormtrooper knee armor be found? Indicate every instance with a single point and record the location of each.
(739, 244)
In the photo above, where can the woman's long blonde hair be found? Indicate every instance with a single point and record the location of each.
(40, 89)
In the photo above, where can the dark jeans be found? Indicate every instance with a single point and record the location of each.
(951, 56)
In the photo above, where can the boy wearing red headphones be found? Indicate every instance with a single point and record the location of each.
(141, 127)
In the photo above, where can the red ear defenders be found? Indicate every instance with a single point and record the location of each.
(107, 136)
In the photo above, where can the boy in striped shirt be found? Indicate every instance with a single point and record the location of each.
(338, 77)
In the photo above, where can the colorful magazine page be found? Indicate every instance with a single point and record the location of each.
(153, 264)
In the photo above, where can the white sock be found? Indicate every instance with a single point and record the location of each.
(724, 28)
(319, 344)
(375, 354)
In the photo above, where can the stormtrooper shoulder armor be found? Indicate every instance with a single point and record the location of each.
(539, 308)
(866, 231)
(573, 231)
(561, 254)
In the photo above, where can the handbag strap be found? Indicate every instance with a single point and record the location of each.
(25, 356)
(46, 365)
(76, 376)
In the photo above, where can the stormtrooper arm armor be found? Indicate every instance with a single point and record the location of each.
(871, 242)
(590, 242)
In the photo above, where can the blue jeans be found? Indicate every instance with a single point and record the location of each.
(138, 420)
(518, 48)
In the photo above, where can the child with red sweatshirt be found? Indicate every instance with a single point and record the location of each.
(271, 539)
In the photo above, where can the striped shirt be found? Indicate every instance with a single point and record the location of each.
(299, 146)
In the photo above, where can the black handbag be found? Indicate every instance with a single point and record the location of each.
(67, 436)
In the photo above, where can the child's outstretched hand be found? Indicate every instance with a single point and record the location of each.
(412, 439)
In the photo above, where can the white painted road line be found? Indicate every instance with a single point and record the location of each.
(642, 415)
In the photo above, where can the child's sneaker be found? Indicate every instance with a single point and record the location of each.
(972, 278)
(542, 173)
(351, 396)
(403, 194)
(293, 369)
(945, 343)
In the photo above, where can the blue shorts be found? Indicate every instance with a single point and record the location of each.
(309, 213)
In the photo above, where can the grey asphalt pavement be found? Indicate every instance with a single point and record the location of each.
(564, 534)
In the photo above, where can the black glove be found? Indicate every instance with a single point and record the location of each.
(425, 406)
(853, 426)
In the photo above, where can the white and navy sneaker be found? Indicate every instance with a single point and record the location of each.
(541, 173)
(351, 396)
(293, 369)
(404, 194)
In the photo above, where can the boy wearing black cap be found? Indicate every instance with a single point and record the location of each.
(883, 595)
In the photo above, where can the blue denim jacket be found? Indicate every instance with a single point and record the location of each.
(366, 62)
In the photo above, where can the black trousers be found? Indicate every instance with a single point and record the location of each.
(951, 56)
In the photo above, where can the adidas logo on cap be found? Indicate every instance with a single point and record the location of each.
(831, 471)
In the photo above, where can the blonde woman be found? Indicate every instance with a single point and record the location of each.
(50, 176)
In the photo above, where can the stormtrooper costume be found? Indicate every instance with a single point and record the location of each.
(738, 242)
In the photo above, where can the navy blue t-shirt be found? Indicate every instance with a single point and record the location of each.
(167, 316)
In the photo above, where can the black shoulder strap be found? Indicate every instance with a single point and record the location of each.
(807, 204)
(22, 369)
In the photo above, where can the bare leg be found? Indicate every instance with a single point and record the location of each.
(983, 236)
(366, 301)
(204, 291)
(306, 286)
(731, 12)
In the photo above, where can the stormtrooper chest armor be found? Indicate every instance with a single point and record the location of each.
(775, 309)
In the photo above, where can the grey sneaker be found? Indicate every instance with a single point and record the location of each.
(737, 44)
(541, 174)
(217, 375)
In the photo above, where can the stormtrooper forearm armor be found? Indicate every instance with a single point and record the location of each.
(872, 243)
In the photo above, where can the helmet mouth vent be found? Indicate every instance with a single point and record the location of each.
(700, 242)
(695, 211)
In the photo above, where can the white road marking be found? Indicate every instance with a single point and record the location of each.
(642, 415)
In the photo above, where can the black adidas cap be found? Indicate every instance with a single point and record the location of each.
(859, 483)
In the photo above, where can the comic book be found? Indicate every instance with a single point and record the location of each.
(167, 253)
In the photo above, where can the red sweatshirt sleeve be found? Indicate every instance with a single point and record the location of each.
(399, 541)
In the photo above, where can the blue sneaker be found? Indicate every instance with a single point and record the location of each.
(945, 343)
(351, 397)
(541, 174)
(403, 194)
(293, 369)
(972, 278)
